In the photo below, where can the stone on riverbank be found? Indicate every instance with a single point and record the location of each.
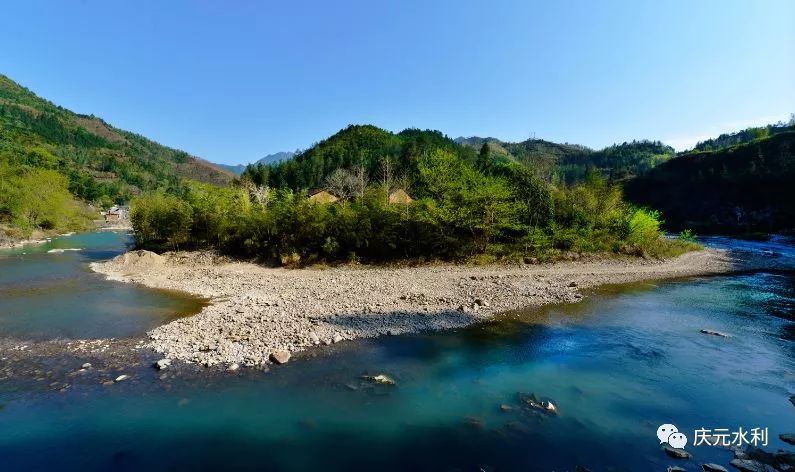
(163, 364)
(121, 378)
(715, 333)
(787, 438)
(746, 465)
(280, 357)
(674, 452)
(380, 379)
(712, 467)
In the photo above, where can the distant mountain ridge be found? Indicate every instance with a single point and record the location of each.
(269, 159)
(569, 163)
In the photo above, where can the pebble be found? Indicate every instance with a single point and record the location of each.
(280, 357)
(121, 378)
(87, 365)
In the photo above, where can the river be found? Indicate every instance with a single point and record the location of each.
(617, 366)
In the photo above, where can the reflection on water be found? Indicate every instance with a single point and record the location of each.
(618, 366)
(46, 294)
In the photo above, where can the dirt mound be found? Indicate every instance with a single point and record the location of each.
(138, 261)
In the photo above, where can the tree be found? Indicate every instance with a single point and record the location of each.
(342, 183)
(484, 159)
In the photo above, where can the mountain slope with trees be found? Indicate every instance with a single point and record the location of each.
(569, 163)
(465, 204)
(52, 159)
(737, 189)
(97, 159)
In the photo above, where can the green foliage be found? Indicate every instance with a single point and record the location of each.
(745, 136)
(355, 146)
(459, 212)
(568, 163)
(97, 159)
(97, 163)
(686, 235)
(161, 219)
(643, 227)
(38, 199)
(739, 189)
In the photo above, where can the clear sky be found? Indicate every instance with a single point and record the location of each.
(231, 81)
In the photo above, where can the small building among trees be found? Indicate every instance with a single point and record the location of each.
(400, 196)
(322, 196)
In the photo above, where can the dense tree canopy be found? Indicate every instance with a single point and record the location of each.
(747, 187)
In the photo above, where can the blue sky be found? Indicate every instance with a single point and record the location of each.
(233, 81)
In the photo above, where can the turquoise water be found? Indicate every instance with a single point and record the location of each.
(618, 365)
(45, 294)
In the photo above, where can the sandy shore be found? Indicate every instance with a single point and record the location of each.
(257, 311)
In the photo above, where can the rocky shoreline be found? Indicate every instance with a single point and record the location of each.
(260, 315)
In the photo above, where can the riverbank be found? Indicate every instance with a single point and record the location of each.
(258, 311)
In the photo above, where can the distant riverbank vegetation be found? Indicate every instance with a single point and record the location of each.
(464, 207)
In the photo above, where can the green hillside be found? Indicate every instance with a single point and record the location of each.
(357, 145)
(745, 136)
(742, 188)
(52, 160)
(569, 163)
(98, 159)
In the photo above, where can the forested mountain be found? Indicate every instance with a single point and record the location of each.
(98, 159)
(569, 163)
(51, 159)
(357, 146)
(741, 188)
(269, 159)
(745, 136)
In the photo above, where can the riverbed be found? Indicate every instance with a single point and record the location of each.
(617, 365)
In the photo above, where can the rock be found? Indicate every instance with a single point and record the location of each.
(280, 357)
(473, 421)
(745, 465)
(233, 367)
(572, 284)
(505, 407)
(337, 338)
(107, 383)
(481, 302)
(531, 401)
(674, 452)
(313, 338)
(87, 365)
(715, 333)
(163, 364)
(787, 438)
(550, 407)
(712, 467)
(792, 400)
(676, 468)
(380, 379)
(121, 378)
